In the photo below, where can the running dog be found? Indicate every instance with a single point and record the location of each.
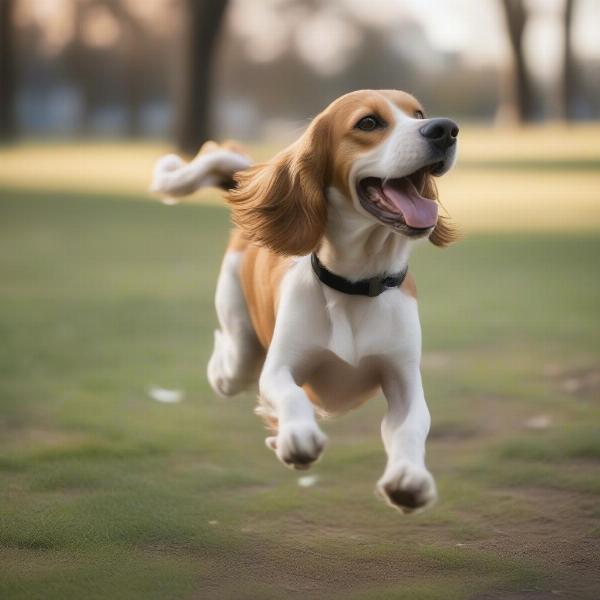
(314, 299)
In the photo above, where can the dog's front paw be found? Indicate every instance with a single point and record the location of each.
(298, 444)
(407, 487)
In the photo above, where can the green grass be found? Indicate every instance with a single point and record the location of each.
(106, 493)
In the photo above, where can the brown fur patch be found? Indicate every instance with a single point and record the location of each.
(226, 181)
(211, 146)
(281, 203)
(409, 286)
(261, 274)
(444, 232)
(238, 242)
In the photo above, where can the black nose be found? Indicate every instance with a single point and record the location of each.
(441, 132)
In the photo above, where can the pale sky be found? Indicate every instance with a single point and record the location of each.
(473, 28)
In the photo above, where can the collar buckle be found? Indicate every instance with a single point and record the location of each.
(376, 286)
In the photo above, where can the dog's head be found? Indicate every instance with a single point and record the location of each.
(375, 147)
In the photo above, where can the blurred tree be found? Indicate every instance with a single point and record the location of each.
(83, 61)
(518, 101)
(133, 39)
(569, 83)
(201, 23)
(78, 62)
(8, 124)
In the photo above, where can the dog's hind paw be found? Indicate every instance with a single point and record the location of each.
(220, 380)
(407, 487)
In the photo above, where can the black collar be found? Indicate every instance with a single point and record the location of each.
(373, 286)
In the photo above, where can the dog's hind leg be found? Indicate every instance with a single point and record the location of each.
(237, 355)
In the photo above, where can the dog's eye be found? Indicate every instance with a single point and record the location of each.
(369, 123)
(419, 114)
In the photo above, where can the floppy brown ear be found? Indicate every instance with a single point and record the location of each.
(444, 232)
(281, 203)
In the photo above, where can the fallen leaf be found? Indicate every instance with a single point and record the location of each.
(166, 396)
(307, 480)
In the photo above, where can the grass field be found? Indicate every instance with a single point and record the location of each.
(506, 180)
(106, 493)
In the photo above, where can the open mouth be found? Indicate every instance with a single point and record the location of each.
(399, 202)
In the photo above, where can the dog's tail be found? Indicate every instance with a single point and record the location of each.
(214, 166)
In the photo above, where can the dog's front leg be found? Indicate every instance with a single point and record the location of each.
(406, 483)
(299, 441)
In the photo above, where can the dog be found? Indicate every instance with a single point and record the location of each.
(314, 300)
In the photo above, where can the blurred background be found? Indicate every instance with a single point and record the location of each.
(256, 69)
(522, 78)
(121, 475)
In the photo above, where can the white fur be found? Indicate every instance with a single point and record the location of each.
(338, 343)
(174, 177)
(237, 354)
(385, 327)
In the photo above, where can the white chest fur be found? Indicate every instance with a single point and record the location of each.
(361, 327)
(337, 342)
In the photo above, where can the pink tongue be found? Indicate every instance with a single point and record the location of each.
(418, 212)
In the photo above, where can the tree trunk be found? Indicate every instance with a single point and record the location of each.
(519, 93)
(134, 92)
(202, 21)
(8, 121)
(569, 74)
(81, 74)
(133, 38)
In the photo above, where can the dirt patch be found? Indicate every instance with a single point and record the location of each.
(523, 595)
(558, 537)
(581, 382)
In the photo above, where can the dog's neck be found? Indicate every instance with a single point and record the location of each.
(356, 248)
